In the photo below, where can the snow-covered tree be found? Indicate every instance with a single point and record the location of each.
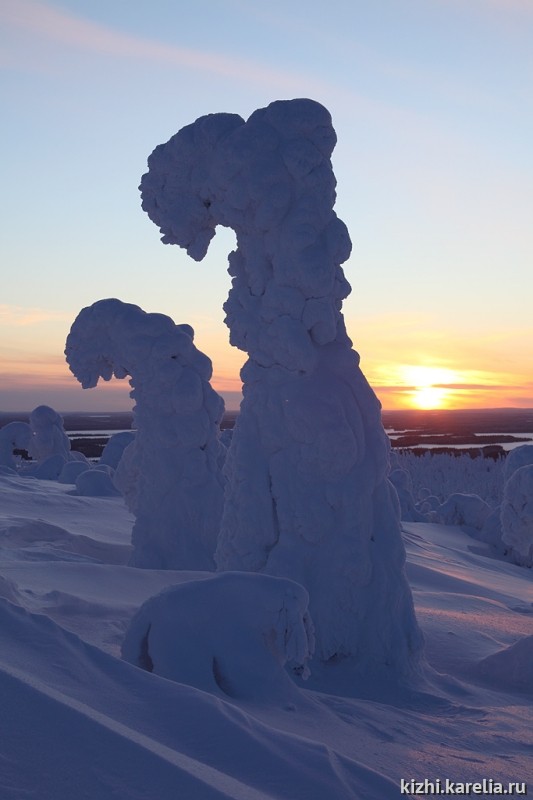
(13, 436)
(517, 515)
(307, 494)
(177, 414)
(48, 435)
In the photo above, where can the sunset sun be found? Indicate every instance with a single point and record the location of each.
(431, 386)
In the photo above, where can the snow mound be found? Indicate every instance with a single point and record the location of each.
(517, 515)
(71, 470)
(251, 627)
(307, 495)
(48, 469)
(179, 494)
(510, 669)
(464, 509)
(95, 483)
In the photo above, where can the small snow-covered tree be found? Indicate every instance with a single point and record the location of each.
(48, 435)
(307, 494)
(177, 414)
(517, 515)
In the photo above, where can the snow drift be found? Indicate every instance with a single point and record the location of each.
(230, 635)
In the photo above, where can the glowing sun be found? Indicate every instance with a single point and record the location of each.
(430, 385)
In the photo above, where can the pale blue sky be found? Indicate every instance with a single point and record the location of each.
(432, 103)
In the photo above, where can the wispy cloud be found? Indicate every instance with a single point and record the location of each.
(58, 25)
(22, 316)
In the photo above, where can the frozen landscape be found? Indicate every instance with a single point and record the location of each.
(78, 721)
(284, 610)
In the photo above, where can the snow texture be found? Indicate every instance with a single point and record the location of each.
(13, 436)
(251, 626)
(517, 515)
(48, 434)
(79, 722)
(307, 495)
(179, 492)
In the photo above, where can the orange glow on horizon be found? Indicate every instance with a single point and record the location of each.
(429, 385)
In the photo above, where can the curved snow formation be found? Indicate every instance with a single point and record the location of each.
(13, 436)
(112, 452)
(177, 414)
(307, 495)
(48, 434)
(517, 515)
(251, 627)
(516, 458)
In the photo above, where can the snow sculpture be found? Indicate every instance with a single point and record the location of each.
(177, 414)
(251, 627)
(49, 437)
(517, 515)
(307, 495)
(13, 436)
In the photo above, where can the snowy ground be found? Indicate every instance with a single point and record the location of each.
(78, 722)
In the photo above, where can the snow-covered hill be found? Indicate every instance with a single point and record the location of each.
(79, 722)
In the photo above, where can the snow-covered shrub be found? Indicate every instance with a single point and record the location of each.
(491, 532)
(112, 452)
(401, 480)
(517, 515)
(48, 434)
(13, 436)
(464, 509)
(95, 483)
(516, 458)
(71, 470)
(229, 634)
(443, 474)
(179, 492)
(127, 476)
(307, 495)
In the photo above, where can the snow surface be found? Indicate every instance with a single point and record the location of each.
(307, 495)
(178, 492)
(80, 722)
